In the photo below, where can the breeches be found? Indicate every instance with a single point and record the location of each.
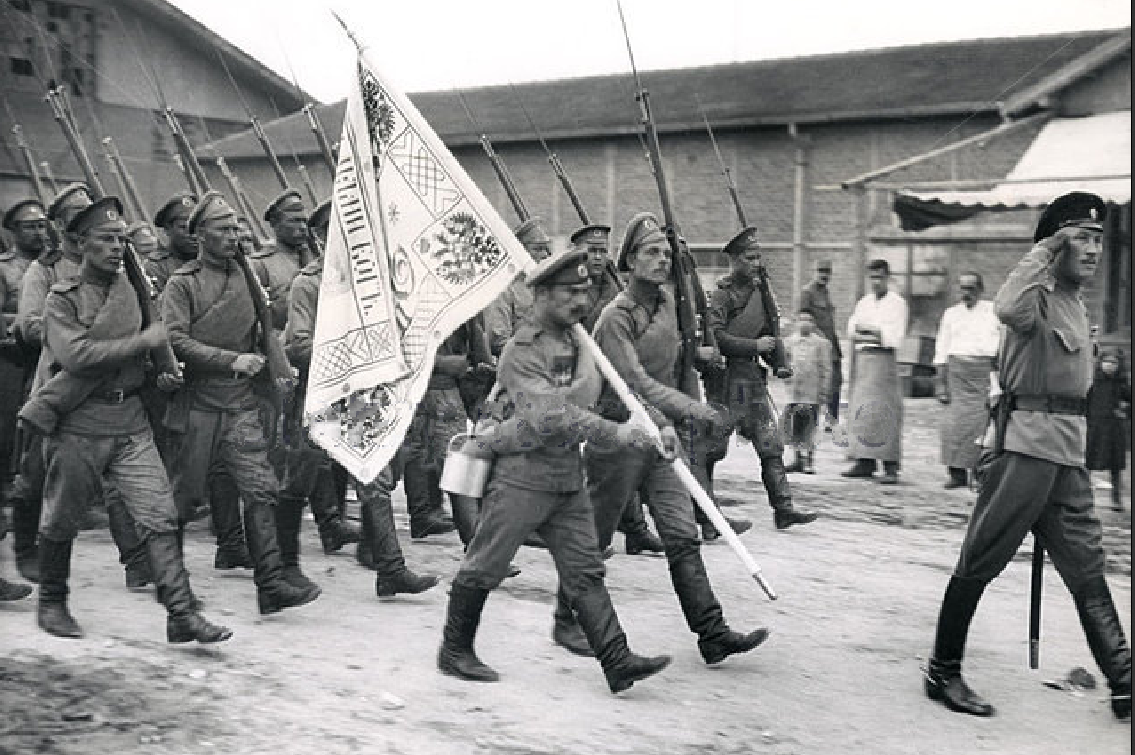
(1021, 493)
(76, 466)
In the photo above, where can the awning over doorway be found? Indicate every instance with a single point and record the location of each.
(1069, 154)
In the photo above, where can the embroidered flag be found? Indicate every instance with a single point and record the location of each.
(413, 251)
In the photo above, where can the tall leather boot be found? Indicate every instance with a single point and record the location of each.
(944, 680)
(608, 642)
(289, 519)
(183, 622)
(393, 576)
(709, 531)
(716, 640)
(273, 592)
(224, 504)
(456, 657)
(25, 530)
(775, 478)
(1117, 489)
(566, 631)
(334, 530)
(466, 513)
(1108, 644)
(54, 570)
(131, 550)
(10, 591)
(364, 554)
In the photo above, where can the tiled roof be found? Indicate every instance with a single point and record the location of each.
(943, 78)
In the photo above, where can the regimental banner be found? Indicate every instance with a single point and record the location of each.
(413, 251)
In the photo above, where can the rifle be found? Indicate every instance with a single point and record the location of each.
(691, 299)
(243, 202)
(565, 182)
(33, 170)
(45, 166)
(778, 360)
(114, 157)
(313, 121)
(131, 262)
(498, 165)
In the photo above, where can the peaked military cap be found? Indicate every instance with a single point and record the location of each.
(1077, 208)
(531, 231)
(211, 207)
(289, 200)
(824, 266)
(592, 235)
(643, 228)
(179, 205)
(70, 196)
(568, 268)
(320, 216)
(105, 210)
(23, 211)
(746, 239)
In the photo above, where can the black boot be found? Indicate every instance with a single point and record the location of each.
(273, 592)
(775, 479)
(289, 518)
(224, 506)
(944, 680)
(403, 581)
(334, 530)
(600, 624)
(13, 590)
(364, 554)
(456, 657)
(466, 512)
(54, 570)
(25, 530)
(1117, 489)
(956, 478)
(643, 541)
(183, 623)
(566, 631)
(716, 640)
(861, 468)
(131, 549)
(1108, 644)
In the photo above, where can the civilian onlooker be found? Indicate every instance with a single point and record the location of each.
(810, 355)
(817, 298)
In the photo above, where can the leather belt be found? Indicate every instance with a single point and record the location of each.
(1050, 404)
(113, 397)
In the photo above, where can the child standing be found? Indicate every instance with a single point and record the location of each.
(810, 354)
(1109, 405)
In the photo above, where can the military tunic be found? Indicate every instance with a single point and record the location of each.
(208, 311)
(162, 264)
(538, 481)
(504, 316)
(1040, 482)
(92, 330)
(277, 265)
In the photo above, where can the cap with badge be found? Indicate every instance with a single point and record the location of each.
(642, 229)
(746, 239)
(289, 200)
(592, 235)
(568, 268)
(824, 266)
(320, 216)
(1077, 208)
(105, 210)
(73, 196)
(178, 206)
(24, 211)
(211, 207)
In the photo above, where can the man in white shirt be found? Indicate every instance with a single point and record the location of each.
(877, 328)
(964, 356)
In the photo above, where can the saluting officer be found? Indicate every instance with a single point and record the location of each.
(738, 320)
(538, 480)
(94, 334)
(1032, 477)
(214, 330)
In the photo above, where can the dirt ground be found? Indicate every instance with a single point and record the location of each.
(859, 591)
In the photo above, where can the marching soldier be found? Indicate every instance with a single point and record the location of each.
(173, 219)
(595, 240)
(94, 334)
(638, 332)
(309, 466)
(213, 328)
(142, 235)
(739, 324)
(1032, 475)
(56, 266)
(538, 483)
(513, 307)
(277, 264)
